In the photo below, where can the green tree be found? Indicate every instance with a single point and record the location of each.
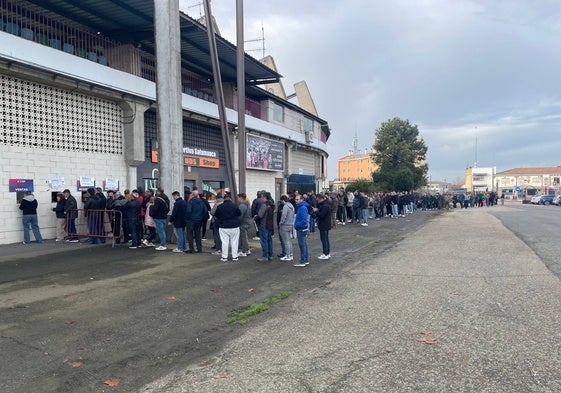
(399, 155)
(361, 185)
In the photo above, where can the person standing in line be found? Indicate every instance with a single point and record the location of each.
(350, 202)
(93, 210)
(60, 218)
(266, 220)
(286, 225)
(149, 224)
(71, 213)
(323, 214)
(312, 201)
(281, 239)
(194, 214)
(245, 222)
(160, 215)
(203, 198)
(177, 219)
(255, 206)
(301, 227)
(228, 215)
(364, 209)
(28, 206)
(333, 201)
(215, 225)
(132, 210)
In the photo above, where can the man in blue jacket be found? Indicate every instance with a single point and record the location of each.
(301, 227)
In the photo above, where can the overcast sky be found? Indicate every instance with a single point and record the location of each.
(463, 71)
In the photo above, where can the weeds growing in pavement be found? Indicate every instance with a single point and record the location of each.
(256, 308)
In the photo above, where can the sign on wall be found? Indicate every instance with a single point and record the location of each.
(263, 153)
(193, 156)
(20, 185)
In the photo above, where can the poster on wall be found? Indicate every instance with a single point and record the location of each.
(20, 185)
(111, 185)
(263, 153)
(57, 183)
(85, 182)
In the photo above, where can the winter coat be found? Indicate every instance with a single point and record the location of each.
(266, 217)
(132, 210)
(28, 205)
(323, 216)
(177, 217)
(70, 207)
(59, 208)
(246, 213)
(287, 216)
(196, 210)
(160, 209)
(228, 214)
(301, 219)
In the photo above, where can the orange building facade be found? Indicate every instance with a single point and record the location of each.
(355, 166)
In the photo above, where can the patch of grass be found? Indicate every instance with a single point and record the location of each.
(256, 308)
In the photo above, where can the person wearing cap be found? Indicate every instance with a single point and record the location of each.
(28, 206)
(71, 213)
(60, 218)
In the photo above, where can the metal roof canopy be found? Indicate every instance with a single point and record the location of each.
(132, 21)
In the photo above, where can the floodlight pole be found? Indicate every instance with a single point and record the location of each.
(241, 96)
(220, 97)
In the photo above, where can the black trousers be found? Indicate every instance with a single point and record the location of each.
(194, 232)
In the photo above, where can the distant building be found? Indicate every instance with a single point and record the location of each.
(440, 187)
(521, 182)
(480, 179)
(354, 166)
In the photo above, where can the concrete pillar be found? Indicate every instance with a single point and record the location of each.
(168, 93)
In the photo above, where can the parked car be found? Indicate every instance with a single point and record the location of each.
(535, 199)
(557, 200)
(546, 200)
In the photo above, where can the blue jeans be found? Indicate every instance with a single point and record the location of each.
(301, 235)
(71, 230)
(161, 229)
(395, 212)
(180, 233)
(365, 216)
(312, 224)
(30, 220)
(266, 239)
(324, 237)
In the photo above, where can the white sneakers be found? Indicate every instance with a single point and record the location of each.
(147, 243)
(323, 256)
(161, 248)
(175, 250)
(364, 224)
(286, 258)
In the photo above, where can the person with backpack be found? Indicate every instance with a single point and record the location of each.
(159, 212)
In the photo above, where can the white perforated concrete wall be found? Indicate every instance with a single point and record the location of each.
(47, 133)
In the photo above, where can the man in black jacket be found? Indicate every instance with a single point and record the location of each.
(71, 213)
(195, 213)
(134, 220)
(228, 214)
(177, 219)
(93, 210)
(159, 213)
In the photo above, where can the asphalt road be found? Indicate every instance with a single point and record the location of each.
(459, 305)
(539, 227)
(74, 316)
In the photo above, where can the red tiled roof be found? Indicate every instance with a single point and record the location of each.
(532, 171)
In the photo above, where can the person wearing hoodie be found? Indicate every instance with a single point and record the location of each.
(266, 225)
(177, 219)
(286, 224)
(71, 214)
(120, 224)
(28, 206)
(195, 212)
(60, 217)
(301, 227)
